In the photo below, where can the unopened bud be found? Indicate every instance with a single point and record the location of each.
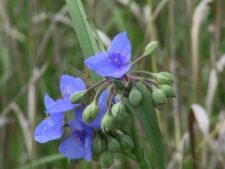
(126, 142)
(113, 145)
(168, 90)
(90, 112)
(164, 78)
(118, 110)
(150, 48)
(98, 144)
(135, 97)
(106, 159)
(78, 97)
(159, 97)
(128, 85)
(107, 122)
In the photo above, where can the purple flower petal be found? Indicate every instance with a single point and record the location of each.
(75, 125)
(48, 101)
(60, 105)
(99, 61)
(70, 85)
(103, 66)
(88, 148)
(78, 113)
(71, 147)
(49, 129)
(121, 44)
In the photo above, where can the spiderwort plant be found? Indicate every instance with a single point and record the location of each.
(99, 129)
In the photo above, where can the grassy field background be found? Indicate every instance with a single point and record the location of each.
(38, 44)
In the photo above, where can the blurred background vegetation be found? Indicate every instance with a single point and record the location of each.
(38, 44)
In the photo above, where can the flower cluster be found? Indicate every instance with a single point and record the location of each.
(97, 127)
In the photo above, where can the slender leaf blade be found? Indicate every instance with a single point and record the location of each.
(148, 119)
(44, 161)
(84, 32)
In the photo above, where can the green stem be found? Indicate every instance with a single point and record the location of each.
(138, 59)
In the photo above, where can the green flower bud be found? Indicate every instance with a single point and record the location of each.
(107, 122)
(98, 144)
(113, 145)
(135, 97)
(106, 159)
(118, 110)
(168, 90)
(158, 96)
(150, 48)
(128, 85)
(126, 142)
(117, 84)
(78, 97)
(164, 78)
(90, 112)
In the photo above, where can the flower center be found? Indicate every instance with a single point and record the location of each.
(67, 91)
(115, 58)
(79, 136)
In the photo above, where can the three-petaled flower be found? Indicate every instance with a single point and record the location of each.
(114, 62)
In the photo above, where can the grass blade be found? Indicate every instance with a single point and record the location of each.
(84, 32)
(44, 161)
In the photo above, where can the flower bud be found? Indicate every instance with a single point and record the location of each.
(118, 110)
(168, 90)
(164, 78)
(126, 142)
(107, 122)
(150, 48)
(128, 85)
(135, 97)
(98, 144)
(106, 159)
(117, 84)
(90, 112)
(158, 96)
(113, 145)
(78, 97)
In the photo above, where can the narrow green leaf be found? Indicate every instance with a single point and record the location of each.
(138, 150)
(148, 119)
(84, 32)
(44, 161)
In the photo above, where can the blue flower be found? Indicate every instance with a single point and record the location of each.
(115, 62)
(50, 128)
(102, 103)
(78, 144)
(68, 86)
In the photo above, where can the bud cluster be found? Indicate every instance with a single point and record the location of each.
(108, 141)
(105, 146)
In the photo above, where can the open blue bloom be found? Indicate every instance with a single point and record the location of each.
(102, 103)
(51, 127)
(68, 86)
(115, 62)
(78, 144)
